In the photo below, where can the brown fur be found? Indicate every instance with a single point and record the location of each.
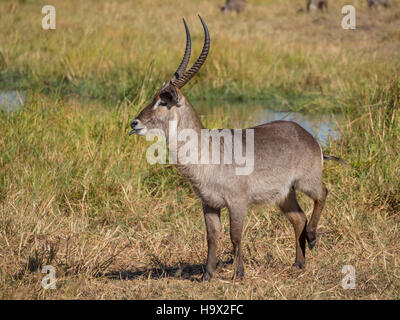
(313, 5)
(286, 159)
(234, 5)
(376, 3)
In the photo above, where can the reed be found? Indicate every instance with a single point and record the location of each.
(77, 193)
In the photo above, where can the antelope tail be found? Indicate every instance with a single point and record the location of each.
(332, 158)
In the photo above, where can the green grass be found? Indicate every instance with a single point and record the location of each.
(114, 50)
(77, 193)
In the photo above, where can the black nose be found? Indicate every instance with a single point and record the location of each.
(134, 124)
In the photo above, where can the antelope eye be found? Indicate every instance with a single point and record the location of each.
(163, 103)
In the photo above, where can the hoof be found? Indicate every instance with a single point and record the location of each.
(311, 239)
(238, 276)
(205, 277)
(298, 265)
(311, 245)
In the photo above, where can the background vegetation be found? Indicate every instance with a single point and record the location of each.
(77, 193)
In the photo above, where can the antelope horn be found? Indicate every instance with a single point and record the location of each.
(182, 80)
(186, 57)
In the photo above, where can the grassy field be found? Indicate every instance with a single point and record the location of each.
(77, 193)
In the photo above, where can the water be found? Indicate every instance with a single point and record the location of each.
(323, 126)
(12, 100)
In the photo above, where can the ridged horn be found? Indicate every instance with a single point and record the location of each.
(182, 80)
(186, 57)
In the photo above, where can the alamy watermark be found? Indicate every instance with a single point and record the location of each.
(226, 146)
(349, 20)
(349, 280)
(49, 280)
(49, 20)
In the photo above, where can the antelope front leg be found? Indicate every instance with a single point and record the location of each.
(213, 223)
(237, 214)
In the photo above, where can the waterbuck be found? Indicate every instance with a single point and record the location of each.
(313, 5)
(286, 158)
(375, 3)
(234, 5)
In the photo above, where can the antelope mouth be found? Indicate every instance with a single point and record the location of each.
(139, 131)
(138, 128)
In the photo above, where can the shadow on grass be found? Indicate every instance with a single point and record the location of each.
(183, 271)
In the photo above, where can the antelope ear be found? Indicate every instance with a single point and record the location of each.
(169, 95)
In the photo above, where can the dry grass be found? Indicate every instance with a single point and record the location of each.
(77, 193)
